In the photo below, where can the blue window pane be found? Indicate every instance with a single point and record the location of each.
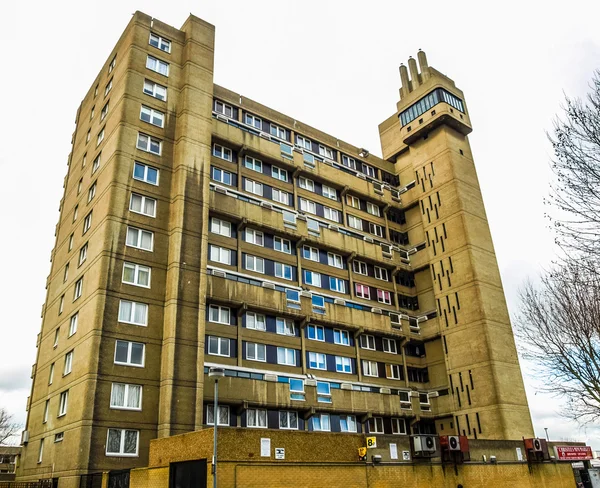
(318, 301)
(323, 388)
(296, 385)
(138, 171)
(283, 379)
(152, 175)
(292, 295)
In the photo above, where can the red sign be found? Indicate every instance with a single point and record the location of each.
(573, 453)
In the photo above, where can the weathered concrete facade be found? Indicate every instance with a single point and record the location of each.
(341, 291)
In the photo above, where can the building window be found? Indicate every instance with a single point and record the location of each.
(78, 290)
(219, 315)
(281, 196)
(136, 274)
(311, 253)
(343, 365)
(223, 108)
(335, 260)
(73, 324)
(398, 426)
(316, 360)
(355, 222)
(41, 451)
(316, 332)
(393, 371)
(367, 342)
(304, 143)
(218, 346)
(370, 368)
(253, 187)
(320, 422)
(337, 284)
(329, 192)
(222, 152)
(223, 418)
(279, 174)
(129, 353)
(389, 345)
(288, 419)
(51, 374)
(83, 254)
(296, 389)
(256, 352)
(256, 418)
(384, 297)
(221, 227)
(155, 90)
(373, 209)
(104, 112)
(282, 245)
(56, 337)
(376, 229)
(254, 121)
(352, 201)
(362, 291)
(285, 327)
(140, 239)
(256, 321)
(283, 271)
(92, 192)
(220, 254)
(253, 164)
(46, 410)
(122, 442)
(71, 239)
(79, 185)
(96, 91)
(108, 87)
(255, 264)
(160, 42)
(63, 403)
(278, 132)
(221, 176)
(88, 136)
(145, 173)
(134, 313)
(66, 273)
(347, 423)
(68, 363)
(61, 304)
(157, 65)
(126, 397)
(325, 151)
(306, 184)
(92, 112)
(149, 144)
(112, 64)
(381, 273)
(359, 267)
(152, 116)
(255, 237)
(331, 214)
(59, 437)
(341, 337)
(96, 163)
(312, 278)
(87, 223)
(142, 205)
(286, 356)
(323, 392)
(100, 137)
(75, 212)
(375, 425)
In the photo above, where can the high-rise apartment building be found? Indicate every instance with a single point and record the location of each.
(341, 291)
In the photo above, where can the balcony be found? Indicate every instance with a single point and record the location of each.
(441, 113)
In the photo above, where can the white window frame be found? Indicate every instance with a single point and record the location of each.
(278, 132)
(137, 270)
(133, 312)
(280, 271)
(73, 322)
(315, 278)
(398, 426)
(83, 254)
(335, 260)
(353, 201)
(56, 337)
(365, 291)
(223, 254)
(303, 142)
(87, 222)
(373, 209)
(260, 418)
(146, 167)
(220, 227)
(325, 151)
(254, 187)
(306, 184)
(104, 111)
(331, 214)
(152, 115)
(316, 329)
(384, 296)
(253, 352)
(367, 341)
(337, 284)
(222, 152)
(393, 371)
(159, 42)
(256, 321)
(68, 362)
(313, 253)
(220, 409)
(376, 229)
(254, 263)
(280, 196)
(223, 173)
(63, 403)
(284, 352)
(390, 346)
(344, 337)
(279, 173)
(319, 359)
(348, 161)
(253, 121)
(370, 368)
(323, 418)
(122, 452)
(223, 108)
(253, 236)
(377, 425)
(96, 163)
(153, 89)
(51, 374)
(360, 267)
(100, 137)
(343, 365)
(381, 273)
(78, 289)
(308, 206)
(220, 342)
(41, 451)
(355, 222)
(285, 326)
(350, 421)
(92, 192)
(129, 353)
(138, 235)
(126, 395)
(282, 244)
(289, 418)
(157, 65)
(329, 192)
(222, 312)
(108, 87)
(147, 145)
(46, 411)
(253, 164)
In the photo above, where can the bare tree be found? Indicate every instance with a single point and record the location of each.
(559, 331)
(8, 428)
(575, 196)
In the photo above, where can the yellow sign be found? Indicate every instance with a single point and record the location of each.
(362, 452)
(371, 442)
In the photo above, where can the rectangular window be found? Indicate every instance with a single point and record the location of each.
(92, 192)
(373, 209)
(389, 345)
(288, 419)
(306, 184)
(83, 254)
(59, 437)
(223, 418)
(321, 422)
(359, 267)
(384, 297)
(370, 368)
(255, 237)
(142, 205)
(152, 116)
(157, 65)
(125, 396)
(398, 426)
(286, 356)
(325, 151)
(88, 136)
(343, 365)
(134, 313)
(96, 163)
(278, 132)
(78, 290)
(256, 321)
(68, 363)
(253, 164)
(331, 214)
(51, 374)
(108, 87)
(256, 418)
(355, 222)
(155, 90)
(323, 392)
(92, 112)
(256, 352)
(253, 121)
(122, 442)
(296, 389)
(222, 152)
(87, 223)
(223, 108)
(282, 245)
(56, 337)
(283, 271)
(129, 353)
(337, 284)
(160, 42)
(393, 371)
(61, 304)
(362, 291)
(347, 423)
(367, 342)
(335, 260)
(353, 201)
(218, 346)
(316, 332)
(149, 144)
(281, 196)
(100, 137)
(311, 253)
(221, 227)
(316, 360)
(66, 273)
(255, 264)
(221, 176)
(329, 192)
(279, 174)
(145, 173)
(46, 410)
(139, 238)
(253, 187)
(136, 274)
(381, 273)
(41, 451)
(63, 403)
(104, 111)
(376, 229)
(285, 327)
(376, 425)
(73, 324)
(341, 337)
(71, 239)
(368, 170)
(112, 64)
(312, 278)
(219, 315)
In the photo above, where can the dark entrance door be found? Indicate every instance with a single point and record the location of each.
(118, 479)
(188, 474)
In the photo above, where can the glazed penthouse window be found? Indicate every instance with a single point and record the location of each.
(428, 101)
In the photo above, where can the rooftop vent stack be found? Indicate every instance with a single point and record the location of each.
(414, 73)
(422, 57)
(405, 89)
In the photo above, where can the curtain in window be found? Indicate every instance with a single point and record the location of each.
(114, 440)
(133, 396)
(117, 398)
(130, 445)
(125, 311)
(140, 313)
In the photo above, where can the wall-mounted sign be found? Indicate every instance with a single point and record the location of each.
(573, 453)
(371, 442)
(279, 453)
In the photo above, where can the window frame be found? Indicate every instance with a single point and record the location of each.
(306, 184)
(159, 41)
(321, 417)
(370, 368)
(286, 351)
(220, 342)
(129, 354)
(257, 411)
(311, 252)
(152, 114)
(125, 397)
(73, 323)
(330, 193)
(277, 173)
(133, 313)
(150, 141)
(254, 236)
(255, 321)
(343, 364)
(332, 258)
(371, 207)
(316, 361)
(388, 349)
(226, 154)
(137, 269)
(282, 244)
(369, 339)
(154, 93)
(221, 225)
(253, 164)
(256, 346)
(287, 329)
(121, 452)
(154, 64)
(220, 408)
(380, 273)
(139, 239)
(221, 311)
(63, 403)
(364, 293)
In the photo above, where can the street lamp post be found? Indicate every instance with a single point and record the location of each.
(215, 373)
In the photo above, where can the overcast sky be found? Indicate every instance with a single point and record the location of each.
(330, 64)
